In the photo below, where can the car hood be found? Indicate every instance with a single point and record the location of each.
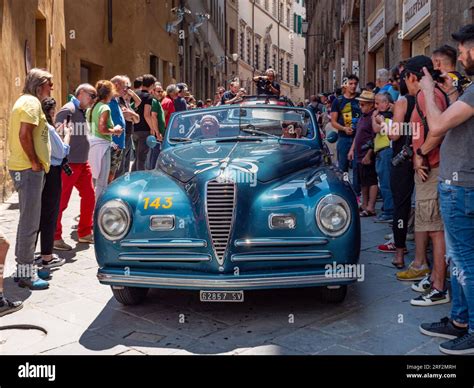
(266, 160)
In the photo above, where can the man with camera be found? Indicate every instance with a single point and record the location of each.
(428, 222)
(233, 95)
(74, 112)
(267, 85)
(456, 192)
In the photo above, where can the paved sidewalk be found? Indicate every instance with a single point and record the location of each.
(80, 316)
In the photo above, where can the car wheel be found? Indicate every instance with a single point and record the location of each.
(333, 295)
(130, 296)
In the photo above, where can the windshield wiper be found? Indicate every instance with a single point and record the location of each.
(251, 129)
(238, 138)
(181, 139)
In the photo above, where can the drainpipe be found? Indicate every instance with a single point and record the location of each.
(109, 21)
(253, 42)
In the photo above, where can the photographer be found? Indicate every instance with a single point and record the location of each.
(81, 179)
(233, 95)
(402, 180)
(267, 84)
(456, 190)
(428, 222)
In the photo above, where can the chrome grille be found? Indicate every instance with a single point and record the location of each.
(220, 203)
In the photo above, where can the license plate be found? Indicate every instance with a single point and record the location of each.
(222, 296)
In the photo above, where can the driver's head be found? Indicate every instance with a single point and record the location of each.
(209, 126)
(291, 130)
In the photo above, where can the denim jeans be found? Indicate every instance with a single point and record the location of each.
(383, 166)
(457, 208)
(152, 157)
(343, 147)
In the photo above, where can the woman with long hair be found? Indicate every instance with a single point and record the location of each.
(102, 130)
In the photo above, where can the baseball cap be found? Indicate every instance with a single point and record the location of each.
(464, 34)
(416, 64)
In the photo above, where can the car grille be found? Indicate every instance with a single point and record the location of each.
(220, 203)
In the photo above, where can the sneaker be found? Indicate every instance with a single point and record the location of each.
(89, 239)
(432, 298)
(53, 263)
(34, 282)
(388, 237)
(459, 346)
(443, 329)
(60, 245)
(7, 307)
(413, 274)
(389, 248)
(410, 236)
(423, 286)
(383, 219)
(39, 258)
(43, 273)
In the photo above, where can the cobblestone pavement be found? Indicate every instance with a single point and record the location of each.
(80, 316)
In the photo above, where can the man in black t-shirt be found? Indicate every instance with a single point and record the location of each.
(145, 127)
(267, 84)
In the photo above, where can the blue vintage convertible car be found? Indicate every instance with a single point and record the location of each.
(242, 198)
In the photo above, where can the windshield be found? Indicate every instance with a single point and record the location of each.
(241, 122)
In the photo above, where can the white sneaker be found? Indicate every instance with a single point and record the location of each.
(423, 286)
(432, 298)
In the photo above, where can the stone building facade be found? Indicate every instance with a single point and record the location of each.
(375, 34)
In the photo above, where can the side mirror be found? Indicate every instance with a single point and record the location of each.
(151, 141)
(332, 137)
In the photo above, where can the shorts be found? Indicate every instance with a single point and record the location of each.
(427, 206)
(116, 155)
(367, 174)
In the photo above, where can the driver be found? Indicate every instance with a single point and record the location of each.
(291, 130)
(209, 126)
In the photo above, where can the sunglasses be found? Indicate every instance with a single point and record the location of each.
(208, 126)
(92, 95)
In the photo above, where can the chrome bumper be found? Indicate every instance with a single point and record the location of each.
(234, 283)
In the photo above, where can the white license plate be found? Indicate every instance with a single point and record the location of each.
(221, 296)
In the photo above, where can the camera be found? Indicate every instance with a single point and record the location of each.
(66, 167)
(354, 123)
(436, 74)
(404, 155)
(368, 146)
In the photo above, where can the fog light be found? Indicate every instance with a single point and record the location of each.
(282, 221)
(162, 223)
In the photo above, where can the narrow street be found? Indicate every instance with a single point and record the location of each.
(81, 316)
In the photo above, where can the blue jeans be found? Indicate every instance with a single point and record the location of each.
(457, 209)
(152, 157)
(343, 147)
(383, 166)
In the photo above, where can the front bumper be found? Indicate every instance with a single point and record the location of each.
(221, 282)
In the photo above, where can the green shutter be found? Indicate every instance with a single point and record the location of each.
(300, 26)
(296, 74)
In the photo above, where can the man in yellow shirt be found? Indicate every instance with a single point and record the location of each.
(30, 156)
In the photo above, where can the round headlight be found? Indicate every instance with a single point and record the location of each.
(333, 215)
(114, 219)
